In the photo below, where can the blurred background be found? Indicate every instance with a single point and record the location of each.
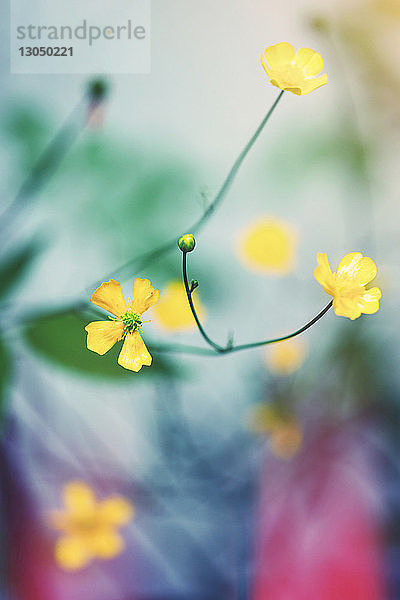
(270, 474)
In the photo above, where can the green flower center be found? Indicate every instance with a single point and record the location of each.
(131, 321)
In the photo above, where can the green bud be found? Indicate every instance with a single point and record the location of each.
(187, 242)
(98, 89)
(193, 285)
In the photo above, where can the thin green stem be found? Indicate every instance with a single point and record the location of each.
(209, 341)
(50, 159)
(285, 337)
(140, 262)
(230, 348)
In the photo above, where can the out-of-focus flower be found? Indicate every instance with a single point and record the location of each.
(347, 285)
(125, 324)
(173, 312)
(293, 72)
(286, 357)
(283, 430)
(268, 245)
(89, 528)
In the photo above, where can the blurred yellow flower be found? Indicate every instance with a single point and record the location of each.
(285, 441)
(286, 357)
(283, 430)
(347, 285)
(293, 72)
(125, 324)
(89, 528)
(173, 312)
(268, 245)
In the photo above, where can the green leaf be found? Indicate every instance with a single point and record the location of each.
(5, 371)
(61, 339)
(15, 266)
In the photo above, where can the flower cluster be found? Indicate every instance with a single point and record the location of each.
(268, 246)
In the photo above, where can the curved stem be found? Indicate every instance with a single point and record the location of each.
(230, 348)
(285, 337)
(209, 341)
(45, 165)
(140, 262)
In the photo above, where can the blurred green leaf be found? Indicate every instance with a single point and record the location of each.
(15, 266)
(121, 188)
(5, 371)
(61, 339)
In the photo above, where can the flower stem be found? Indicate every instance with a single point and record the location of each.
(140, 262)
(229, 347)
(50, 159)
(209, 341)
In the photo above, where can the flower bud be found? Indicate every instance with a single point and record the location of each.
(97, 90)
(187, 242)
(193, 285)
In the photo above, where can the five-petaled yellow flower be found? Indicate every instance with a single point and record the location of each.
(293, 72)
(347, 285)
(125, 324)
(89, 528)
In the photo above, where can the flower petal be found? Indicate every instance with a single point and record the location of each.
(116, 511)
(109, 296)
(106, 543)
(323, 273)
(311, 84)
(145, 295)
(347, 307)
(309, 61)
(357, 267)
(102, 335)
(134, 353)
(71, 553)
(79, 498)
(369, 302)
(280, 55)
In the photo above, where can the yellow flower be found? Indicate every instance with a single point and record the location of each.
(89, 528)
(173, 312)
(286, 357)
(268, 245)
(285, 441)
(347, 285)
(283, 430)
(293, 72)
(125, 324)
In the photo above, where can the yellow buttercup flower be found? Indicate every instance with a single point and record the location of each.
(347, 285)
(268, 245)
(125, 324)
(173, 312)
(283, 430)
(89, 528)
(285, 357)
(293, 72)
